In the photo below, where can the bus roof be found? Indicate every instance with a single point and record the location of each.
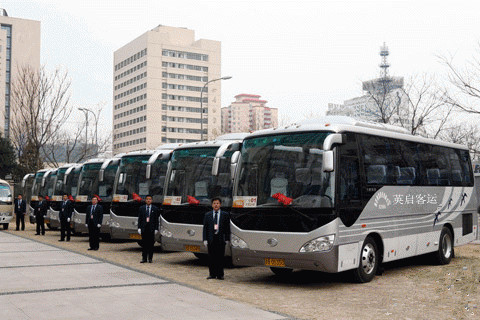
(341, 124)
(220, 141)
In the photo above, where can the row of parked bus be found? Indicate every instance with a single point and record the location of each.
(330, 195)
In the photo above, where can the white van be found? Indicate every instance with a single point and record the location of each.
(6, 204)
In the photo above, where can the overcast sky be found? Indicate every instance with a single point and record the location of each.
(298, 55)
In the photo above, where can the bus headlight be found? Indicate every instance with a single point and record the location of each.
(238, 243)
(165, 232)
(323, 243)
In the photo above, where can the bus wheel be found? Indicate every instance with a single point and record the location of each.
(49, 226)
(5, 226)
(445, 247)
(281, 272)
(368, 262)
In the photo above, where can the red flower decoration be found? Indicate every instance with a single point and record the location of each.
(192, 200)
(136, 197)
(283, 199)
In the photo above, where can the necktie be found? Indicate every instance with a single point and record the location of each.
(149, 211)
(93, 209)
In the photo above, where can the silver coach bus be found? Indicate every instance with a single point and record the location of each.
(197, 172)
(140, 173)
(339, 194)
(97, 177)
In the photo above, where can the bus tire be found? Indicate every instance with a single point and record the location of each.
(281, 272)
(445, 251)
(369, 261)
(49, 226)
(5, 226)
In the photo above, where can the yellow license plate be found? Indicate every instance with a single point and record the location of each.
(271, 262)
(192, 248)
(135, 236)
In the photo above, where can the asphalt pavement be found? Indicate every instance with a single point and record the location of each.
(40, 281)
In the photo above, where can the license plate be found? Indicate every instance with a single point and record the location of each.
(192, 248)
(135, 236)
(272, 262)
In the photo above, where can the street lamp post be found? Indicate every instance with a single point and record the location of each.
(86, 111)
(201, 102)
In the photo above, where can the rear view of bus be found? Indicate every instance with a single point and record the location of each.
(339, 194)
(198, 172)
(6, 204)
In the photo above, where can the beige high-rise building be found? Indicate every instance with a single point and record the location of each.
(158, 81)
(19, 48)
(248, 113)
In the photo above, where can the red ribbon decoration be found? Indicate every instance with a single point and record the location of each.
(136, 197)
(283, 199)
(192, 200)
(70, 198)
(47, 198)
(98, 198)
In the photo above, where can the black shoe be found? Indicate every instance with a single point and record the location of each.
(95, 249)
(210, 277)
(220, 278)
(90, 248)
(143, 261)
(68, 239)
(150, 261)
(16, 229)
(61, 240)
(43, 234)
(37, 234)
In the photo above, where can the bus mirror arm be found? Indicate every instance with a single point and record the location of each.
(478, 209)
(215, 165)
(328, 161)
(331, 140)
(233, 163)
(148, 171)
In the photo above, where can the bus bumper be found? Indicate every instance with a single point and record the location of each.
(317, 261)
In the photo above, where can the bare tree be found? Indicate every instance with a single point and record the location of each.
(40, 105)
(464, 92)
(42, 118)
(468, 135)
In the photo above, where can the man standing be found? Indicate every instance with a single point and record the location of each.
(93, 222)
(148, 216)
(216, 233)
(65, 216)
(20, 209)
(40, 212)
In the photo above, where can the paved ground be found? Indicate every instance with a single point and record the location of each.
(41, 281)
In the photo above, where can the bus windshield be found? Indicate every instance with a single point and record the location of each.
(89, 179)
(50, 183)
(132, 178)
(72, 181)
(105, 187)
(191, 174)
(37, 184)
(289, 165)
(4, 192)
(59, 187)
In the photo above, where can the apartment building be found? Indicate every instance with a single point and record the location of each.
(158, 82)
(248, 113)
(19, 48)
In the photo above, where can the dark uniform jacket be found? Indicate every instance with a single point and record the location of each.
(142, 218)
(23, 206)
(66, 210)
(41, 208)
(97, 214)
(223, 228)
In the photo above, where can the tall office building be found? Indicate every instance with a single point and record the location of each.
(248, 113)
(19, 48)
(158, 81)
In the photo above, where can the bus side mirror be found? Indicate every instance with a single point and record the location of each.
(234, 163)
(149, 171)
(215, 165)
(328, 161)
